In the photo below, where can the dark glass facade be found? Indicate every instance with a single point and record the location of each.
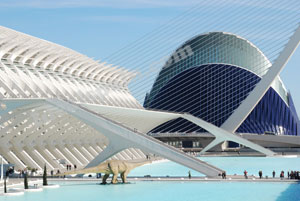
(212, 91)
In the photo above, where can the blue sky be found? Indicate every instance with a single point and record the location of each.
(100, 28)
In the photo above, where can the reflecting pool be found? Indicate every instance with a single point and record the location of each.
(232, 165)
(165, 191)
(181, 190)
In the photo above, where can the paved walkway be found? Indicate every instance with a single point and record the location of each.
(19, 181)
(230, 178)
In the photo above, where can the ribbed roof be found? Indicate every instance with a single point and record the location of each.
(42, 54)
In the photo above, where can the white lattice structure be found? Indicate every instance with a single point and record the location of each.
(45, 94)
(50, 71)
(58, 104)
(31, 68)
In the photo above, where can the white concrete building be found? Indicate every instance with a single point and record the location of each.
(36, 125)
(58, 105)
(32, 135)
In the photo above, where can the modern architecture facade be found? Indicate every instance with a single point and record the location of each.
(33, 134)
(212, 79)
(60, 107)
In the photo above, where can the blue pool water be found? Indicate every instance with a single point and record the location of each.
(166, 191)
(181, 191)
(232, 165)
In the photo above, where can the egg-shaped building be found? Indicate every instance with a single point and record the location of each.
(209, 76)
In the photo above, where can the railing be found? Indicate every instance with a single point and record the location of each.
(144, 135)
(180, 135)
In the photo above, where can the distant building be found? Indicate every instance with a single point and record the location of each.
(209, 76)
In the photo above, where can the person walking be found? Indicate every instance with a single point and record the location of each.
(260, 174)
(292, 175)
(282, 174)
(224, 175)
(245, 174)
(273, 173)
(190, 176)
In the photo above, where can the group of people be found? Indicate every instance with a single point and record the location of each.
(69, 167)
(281, 175)
(290, 175)
(260, 174)
(294, 175)
(31, 171)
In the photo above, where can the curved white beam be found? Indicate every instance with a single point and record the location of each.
(246, 107)
(129, 138)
